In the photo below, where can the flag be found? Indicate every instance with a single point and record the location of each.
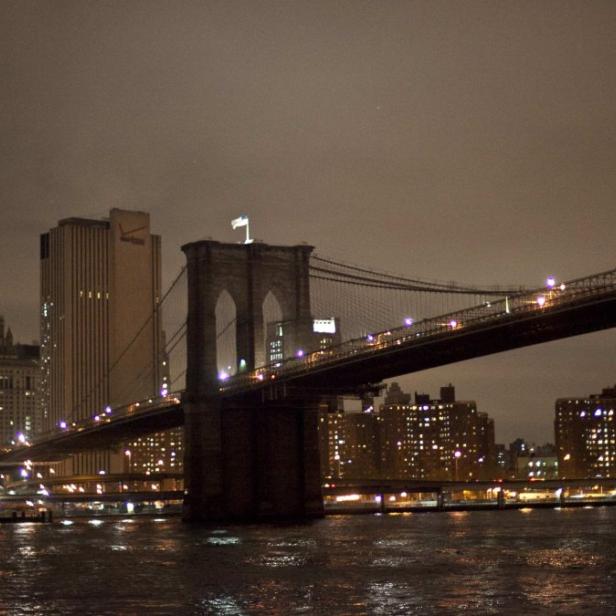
(242, 221)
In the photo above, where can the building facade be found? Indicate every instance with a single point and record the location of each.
(349, 444)
(101, 338)
(19, 376)
(444, 439)
(279, 343)
(585, 432)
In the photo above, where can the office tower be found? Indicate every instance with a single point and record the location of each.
(19, 365)
(100, 330)
(279, 342)
(585, 432)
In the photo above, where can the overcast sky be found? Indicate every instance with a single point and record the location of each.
(471, 141)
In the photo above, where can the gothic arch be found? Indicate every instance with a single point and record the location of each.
(226, 334)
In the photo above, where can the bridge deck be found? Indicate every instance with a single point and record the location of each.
(577, 307)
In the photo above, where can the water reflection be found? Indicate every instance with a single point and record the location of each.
(478, 563)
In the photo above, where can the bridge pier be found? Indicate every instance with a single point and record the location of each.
(251, 461)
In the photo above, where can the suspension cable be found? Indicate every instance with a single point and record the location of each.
(417, 283)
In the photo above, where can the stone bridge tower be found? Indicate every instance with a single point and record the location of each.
(247, 457)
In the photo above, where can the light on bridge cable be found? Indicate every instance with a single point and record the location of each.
(408, 321)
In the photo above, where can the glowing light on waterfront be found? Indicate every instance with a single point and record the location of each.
(344, 498)
(541, 301)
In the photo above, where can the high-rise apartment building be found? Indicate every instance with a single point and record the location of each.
(100, 331)
(349, 444)
(585, 431)
(19, 366)
(435, 439)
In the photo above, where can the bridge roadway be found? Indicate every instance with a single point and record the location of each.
(576, 307)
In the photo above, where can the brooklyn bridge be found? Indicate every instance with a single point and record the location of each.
(250, 418)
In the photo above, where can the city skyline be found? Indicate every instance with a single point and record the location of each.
(469, 144)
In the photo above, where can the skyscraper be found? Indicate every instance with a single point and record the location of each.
(279, 343)
(100, 330)
(585, 431)
(18, 387)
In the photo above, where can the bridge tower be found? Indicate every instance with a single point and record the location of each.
(247, 457)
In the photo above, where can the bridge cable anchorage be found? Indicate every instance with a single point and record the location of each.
(105, 377)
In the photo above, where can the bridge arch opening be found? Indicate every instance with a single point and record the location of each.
(226, 335)
(273, 329)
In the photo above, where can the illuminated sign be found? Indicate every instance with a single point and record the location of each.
(324, 326)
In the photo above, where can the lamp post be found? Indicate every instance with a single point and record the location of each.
(456, 456)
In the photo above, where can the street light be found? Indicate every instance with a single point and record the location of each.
(456, 456)
(128, 455)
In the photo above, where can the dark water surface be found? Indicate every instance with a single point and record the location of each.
(508, 562)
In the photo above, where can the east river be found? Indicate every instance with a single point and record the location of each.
(497, 562)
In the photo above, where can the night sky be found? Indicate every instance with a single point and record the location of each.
(470, 141)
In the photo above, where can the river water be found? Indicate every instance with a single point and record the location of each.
(492, 562)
